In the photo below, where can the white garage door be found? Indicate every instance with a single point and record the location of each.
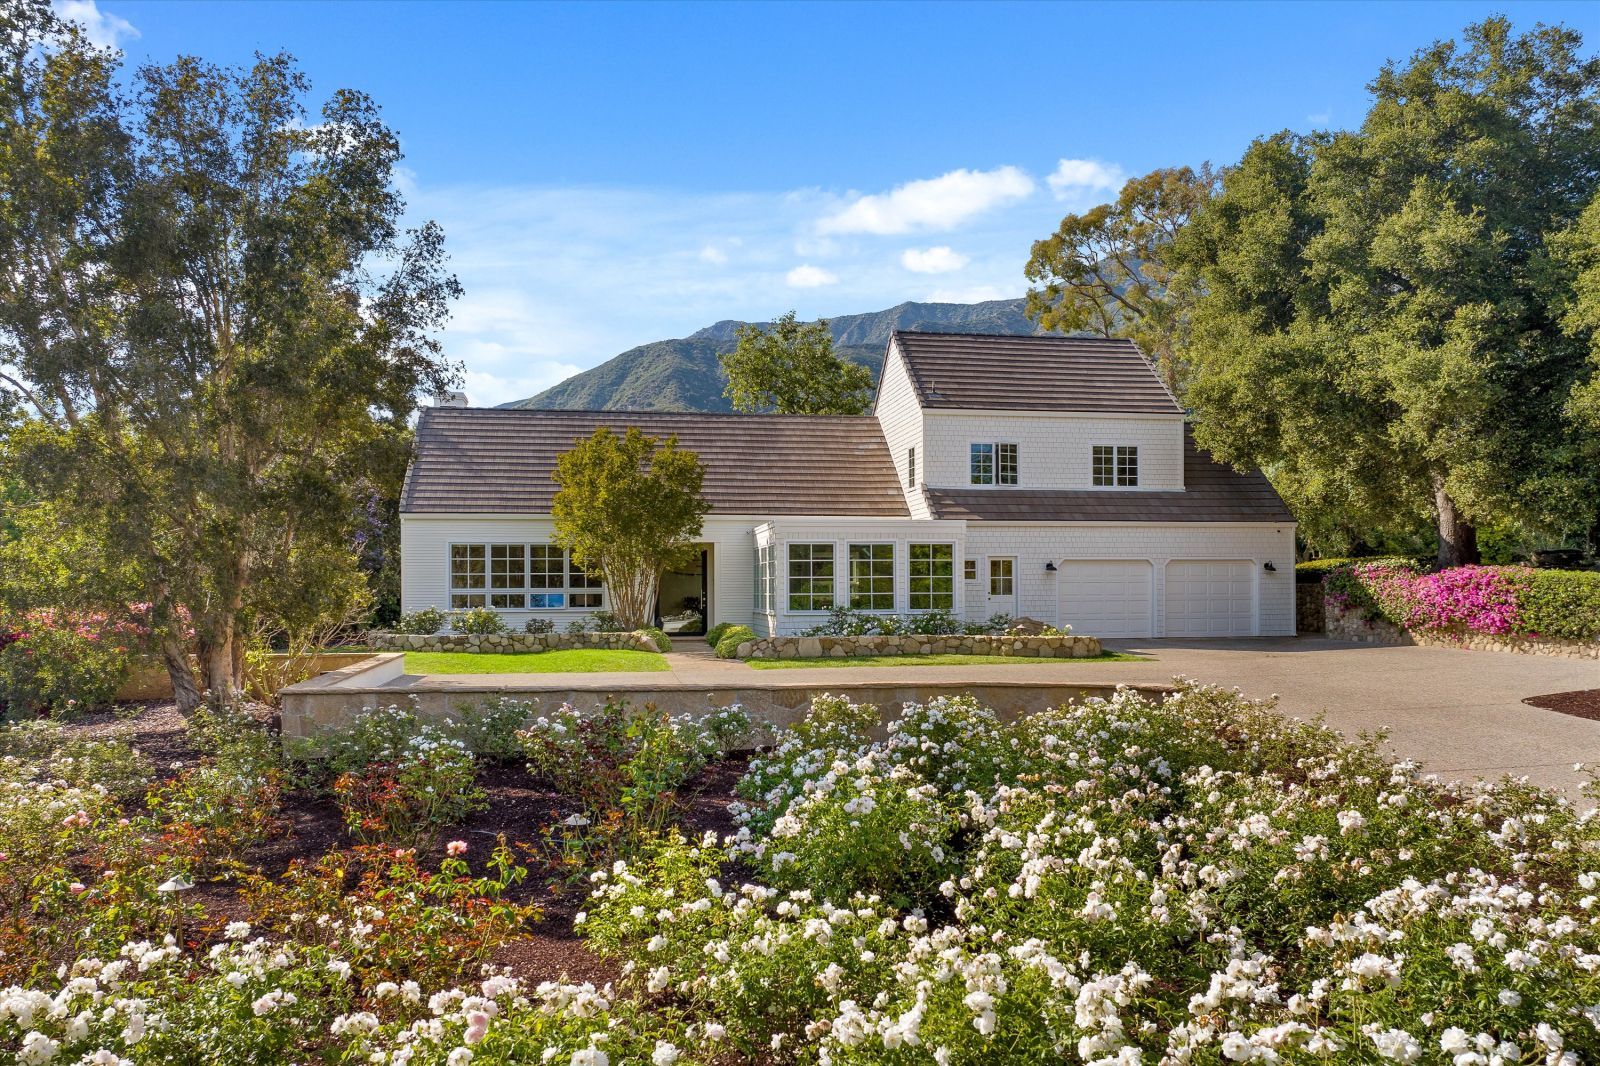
(1107, 598)
(1210, 598)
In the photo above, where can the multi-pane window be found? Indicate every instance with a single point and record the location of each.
(983, 464)
(969, 569)
(911, 468)
(1115, 465)
(584, 585)
(468, 575)
(1005, 461)
(872, 577)
(810, 577)
(519, 576)
(763, 578)
(508, 570)
(1002, 577)
(932, 572)
(994, 464)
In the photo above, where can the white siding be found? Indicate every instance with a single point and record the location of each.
(1034, 544)
(1053, 450)
(901, 418)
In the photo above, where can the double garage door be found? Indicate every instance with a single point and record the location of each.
(1116, 597)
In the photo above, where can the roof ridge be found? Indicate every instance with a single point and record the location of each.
(773, 415)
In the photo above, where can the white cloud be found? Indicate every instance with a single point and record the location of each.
(939, 260)
(1085, 182)
(101, 27)
(807, 276)
(1320, 118)
(713, 255)
(940, 203)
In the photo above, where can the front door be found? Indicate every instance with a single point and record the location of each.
(1002, 598)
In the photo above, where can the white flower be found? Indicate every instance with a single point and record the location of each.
(665, 1054)
(459, 1057)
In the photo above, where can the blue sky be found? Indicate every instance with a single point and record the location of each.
(613, 174)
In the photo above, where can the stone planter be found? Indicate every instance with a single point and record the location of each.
(496, 643)
(1354, 625)
(1070, 647)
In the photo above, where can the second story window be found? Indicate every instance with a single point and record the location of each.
(994, 464)
(1116, 466)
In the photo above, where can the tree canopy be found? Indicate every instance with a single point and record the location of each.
(1107, 271)
(1380, 314)
(790, 367)
(216, 323)
(627, 508)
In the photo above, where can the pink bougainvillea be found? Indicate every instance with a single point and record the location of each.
(1480, 598)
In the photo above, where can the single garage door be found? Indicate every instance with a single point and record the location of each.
(1210, 598)
(1108, 598)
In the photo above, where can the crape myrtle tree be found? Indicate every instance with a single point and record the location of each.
(628, 507)
(215, 321)
(1380, 322)
(790, 367)
(1108, 271)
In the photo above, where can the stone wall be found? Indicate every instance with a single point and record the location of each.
(512, 642)
(1354, 625)
(1309, 613)
(919, 644)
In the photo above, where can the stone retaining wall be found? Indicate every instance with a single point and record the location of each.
(512, 642)
(1309, 612)
(919, 644)
(1354, 625)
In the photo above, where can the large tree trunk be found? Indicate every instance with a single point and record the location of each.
(1458, 538)
(176, 659)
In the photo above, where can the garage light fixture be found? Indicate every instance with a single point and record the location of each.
(1269, 568)
(1049, 568)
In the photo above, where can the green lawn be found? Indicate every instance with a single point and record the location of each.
(571, 661)
(939, 660)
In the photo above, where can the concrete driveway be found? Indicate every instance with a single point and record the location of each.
(1460, 713)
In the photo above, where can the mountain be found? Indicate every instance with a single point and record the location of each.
(685, 375)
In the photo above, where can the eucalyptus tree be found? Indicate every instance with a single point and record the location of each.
(214, 317)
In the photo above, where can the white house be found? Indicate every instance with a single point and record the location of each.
(1047, 477)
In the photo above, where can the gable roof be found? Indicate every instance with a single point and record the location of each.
(1213, 492)
(995, 372)
(495, 460)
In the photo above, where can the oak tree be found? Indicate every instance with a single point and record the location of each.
(790, 367)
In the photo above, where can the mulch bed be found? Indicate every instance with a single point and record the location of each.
(1584, 703)
(518, 808)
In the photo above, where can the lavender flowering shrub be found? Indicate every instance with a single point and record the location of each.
(1500, 600)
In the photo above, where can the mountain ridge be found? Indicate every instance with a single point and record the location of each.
(685, 374)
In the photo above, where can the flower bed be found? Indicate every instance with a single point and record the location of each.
(1510, 607)
(1031, 647)
(58, 663)
(1123, 881)
(515, 642)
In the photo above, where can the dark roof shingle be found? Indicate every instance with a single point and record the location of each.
(995, 372)
(1213, 492)
(493, 460)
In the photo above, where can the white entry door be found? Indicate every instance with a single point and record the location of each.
(1210, 598)
(1108, 597)
(1002, 597)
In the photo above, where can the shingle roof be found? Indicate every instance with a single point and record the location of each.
(1213, 492)
(486, 460)
(1011, 373)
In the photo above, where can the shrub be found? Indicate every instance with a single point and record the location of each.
(538, 626)
(933, 623)
(1561, 603)
(732, 637)
(658, 637)
(425, 622)
(431, 783)
(477, 620)
(490, 730)
(51, 664)
(605, 622)
(994, 624)
(715, 634)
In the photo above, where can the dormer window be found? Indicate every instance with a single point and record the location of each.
(994, 464)
(1116, 466)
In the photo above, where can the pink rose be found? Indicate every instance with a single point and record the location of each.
(456, 848)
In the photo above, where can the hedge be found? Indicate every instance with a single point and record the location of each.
(1485, 599)
(732, 637)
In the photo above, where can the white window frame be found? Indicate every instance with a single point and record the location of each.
(999, 473)
(1114, 466)
(932, 578)
(911, 467)
(872, 576)
(571, 587)
(812, 595)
